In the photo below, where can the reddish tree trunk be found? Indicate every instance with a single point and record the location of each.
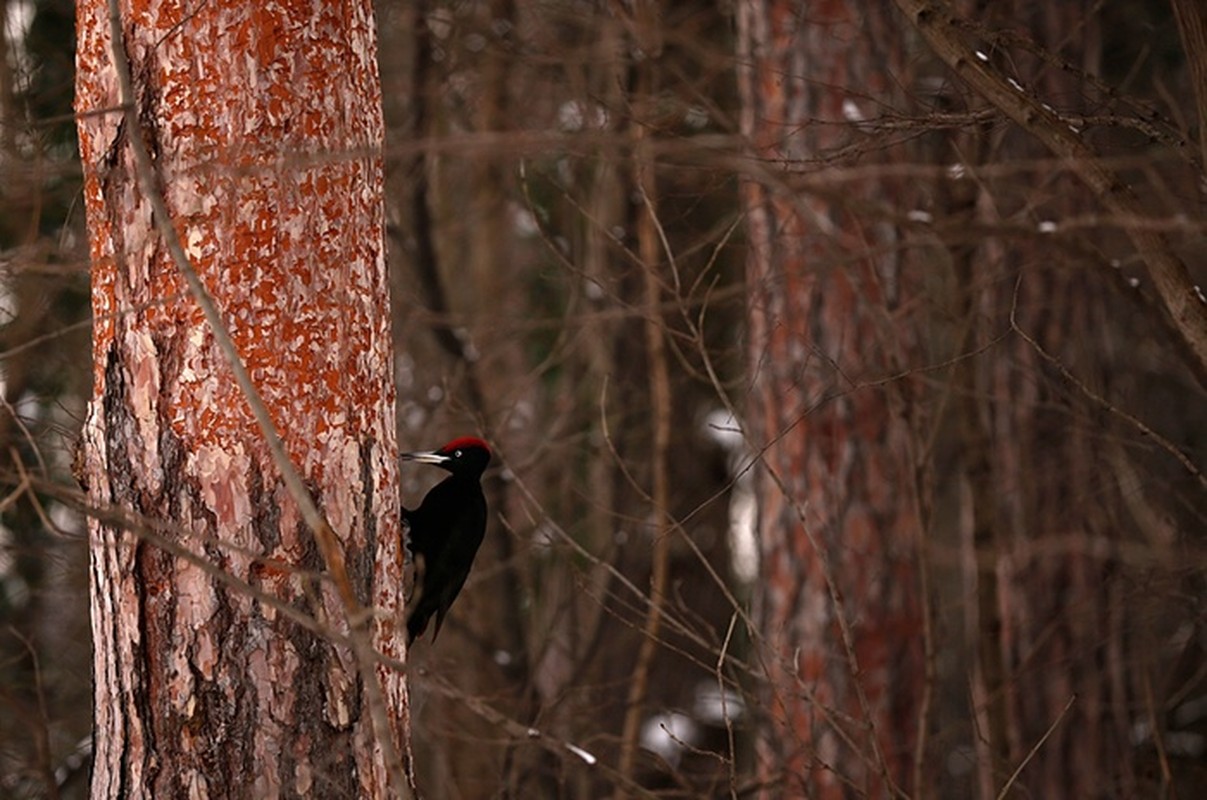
(264, 120)
(836, 494)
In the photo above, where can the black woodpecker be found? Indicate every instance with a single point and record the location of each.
(447, 528)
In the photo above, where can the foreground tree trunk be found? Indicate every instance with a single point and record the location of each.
(266, 129)
(840, 609)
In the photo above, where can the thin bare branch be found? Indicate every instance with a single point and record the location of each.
(1035, 749)
(1185, 306)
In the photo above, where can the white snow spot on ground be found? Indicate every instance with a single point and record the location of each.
(668, 734)
(716, 706)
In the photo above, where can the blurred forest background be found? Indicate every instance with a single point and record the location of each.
(979, 444)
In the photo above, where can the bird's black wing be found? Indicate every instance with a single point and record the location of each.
(446, 530)
(427, 535)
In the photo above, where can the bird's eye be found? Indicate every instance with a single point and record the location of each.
(456, 454)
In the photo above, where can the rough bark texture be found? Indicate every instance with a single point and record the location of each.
(823, 288)
(265, 123)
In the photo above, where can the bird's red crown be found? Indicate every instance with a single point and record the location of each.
(465, 442)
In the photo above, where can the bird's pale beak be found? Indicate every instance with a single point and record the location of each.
(426, 458)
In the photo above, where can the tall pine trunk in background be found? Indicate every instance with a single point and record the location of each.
(840, 609)
(265, 128)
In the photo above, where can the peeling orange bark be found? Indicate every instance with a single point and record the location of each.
(824, 286)
(264, 120)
